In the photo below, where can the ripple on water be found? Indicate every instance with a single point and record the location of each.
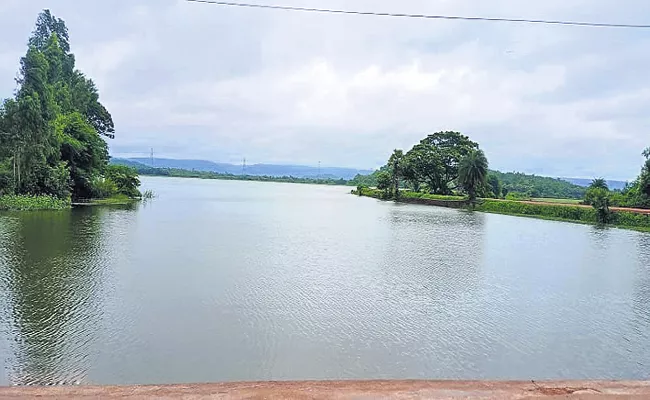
(310, 283)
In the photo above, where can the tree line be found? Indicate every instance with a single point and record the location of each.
(449, 163)
(53, 131)
(635, 194)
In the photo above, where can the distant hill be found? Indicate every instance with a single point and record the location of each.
(613, 185)
(298, 171)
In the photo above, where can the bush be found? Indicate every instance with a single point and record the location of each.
(125, 178)
(542, 210)
(420, 195)
(32, 203)
(103, 188)
(517, 196)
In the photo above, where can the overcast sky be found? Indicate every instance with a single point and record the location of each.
(204, 81)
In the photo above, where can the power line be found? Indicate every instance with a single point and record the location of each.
(422, 16)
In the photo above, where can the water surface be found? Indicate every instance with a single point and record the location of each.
(223, 281)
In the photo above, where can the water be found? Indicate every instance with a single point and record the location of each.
(222, 281)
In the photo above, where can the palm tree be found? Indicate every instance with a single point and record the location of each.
(472, 173)
(599, 183)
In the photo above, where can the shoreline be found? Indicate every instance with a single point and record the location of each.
(398, 389)
(571, 213)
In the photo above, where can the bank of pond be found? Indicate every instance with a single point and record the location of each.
(558, 212)
(51, 203)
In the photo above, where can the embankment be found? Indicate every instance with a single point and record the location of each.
(348, 390)
(560, 212)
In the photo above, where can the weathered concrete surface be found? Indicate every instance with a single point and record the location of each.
(347, 390)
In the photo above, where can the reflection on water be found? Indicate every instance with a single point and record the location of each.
(225, 281)
(52, 272)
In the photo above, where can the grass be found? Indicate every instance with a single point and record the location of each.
(566, 210)
(32, 203)
(116, 200)
(558, 201)
(418, 195)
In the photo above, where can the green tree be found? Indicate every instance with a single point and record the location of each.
(600, 183)
(450, 147)
(51, 132)
(494, 185)
(473, 170)
(599, 198)
(395, 165)
(424, 165)
(384, 182)
(125, 179)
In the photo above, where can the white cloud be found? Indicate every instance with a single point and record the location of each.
(218, 83)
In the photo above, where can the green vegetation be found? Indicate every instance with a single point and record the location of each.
(564, 213)
(406, 195)
(118, 199)
(142, 169)
(557, 201)
(32, 203)
(524, 186)
(472, 173)
(448, 169)
(634, 195)
(52, 131)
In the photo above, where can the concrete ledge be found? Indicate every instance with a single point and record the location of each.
(348, 390)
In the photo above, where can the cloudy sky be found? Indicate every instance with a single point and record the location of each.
(203, 81)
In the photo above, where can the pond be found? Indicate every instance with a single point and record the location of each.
(229, 281)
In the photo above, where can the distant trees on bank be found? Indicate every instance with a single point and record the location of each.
(449, 163)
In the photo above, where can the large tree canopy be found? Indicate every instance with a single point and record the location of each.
(435, 161)
(51, 132)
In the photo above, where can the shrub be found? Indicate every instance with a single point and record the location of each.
(517, 196)
(125, 178)
(103, 188)
(33, 203)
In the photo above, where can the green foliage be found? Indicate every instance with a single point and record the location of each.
(32, 203)
(494, 186)
(125, 179)
(564, 212)
(50, 132)
(103, 188)
(599, 183)
(384, 183)
(118, 199)
(365, 180)
(538, 186)
(598, 197)
(517, 196)
(435, 161)
(472, 172)
(418, 195)
(396, 172)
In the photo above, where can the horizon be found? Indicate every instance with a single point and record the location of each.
(343, 167)
(545, 100)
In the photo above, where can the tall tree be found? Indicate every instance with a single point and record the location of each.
(451, 148)
(599, 183)
(51, 133)
(384, 183)
(473, 170)
(395, 164)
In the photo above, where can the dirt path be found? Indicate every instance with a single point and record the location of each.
(348, 390)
